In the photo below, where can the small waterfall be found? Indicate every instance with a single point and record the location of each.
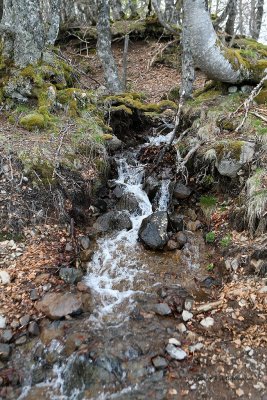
(115, 265)
(164, 195)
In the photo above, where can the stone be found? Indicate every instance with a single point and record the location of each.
(113, 221)
(6, 335)
(193, 225)
(151, 187)
(21, 340)
(176, 352)
(24, 320)
(172, 245)
(246, 89)
(5, 351)
(196, 347)
(68, 247)
(153, 230)
(181, 328)
(113, 144)
(118, 191)
(2, 322)
(34, 295)
(159, 362)
(4, 277)
(162, 309)
(33, 329)
(15, 324)
(174, 341)
(58, 305)
(84, 242)
(129, 202)
(86, 255)
(186, 315)
(176, 222)
(188, 304)
(70, 275)
(174, 296)
(82, 287)
(207, 322)
(181, 192)
(181, 239)
(234, 155)
(74, 341)
(232, 89)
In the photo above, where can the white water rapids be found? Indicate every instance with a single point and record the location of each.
(115, 264)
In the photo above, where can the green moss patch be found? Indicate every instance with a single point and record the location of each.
(33, 121)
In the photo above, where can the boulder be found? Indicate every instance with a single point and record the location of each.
(181, 192)
(231, 156)
(113, 221)
(58, 305)
(129, 202)
(153, 230)
(151, 187)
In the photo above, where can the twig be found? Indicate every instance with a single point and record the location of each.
(125, 54)
(259, 116)
(248, 101)
(160, 51)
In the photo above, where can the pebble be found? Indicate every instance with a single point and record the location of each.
(68, 247)
(2, 322)
(188, 304)
(162, 309)
(174, 341)
(70, 275)
(47, 287)
(33, 328)
(159, 362)
(181, 327)
(21, 340)
(186, 315)
(196, 347)
(14, 324)
(6, 335)
(232, 89)
(207, 322)
(84, 242)
(34, 295)
(24, 320)
(176, 352)
(4, 351)
(82, 287)
(4, 277)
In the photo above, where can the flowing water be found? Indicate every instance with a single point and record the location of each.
(123, 278)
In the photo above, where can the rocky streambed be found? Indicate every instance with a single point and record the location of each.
(142, 311)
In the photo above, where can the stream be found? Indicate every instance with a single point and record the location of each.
(118, 340)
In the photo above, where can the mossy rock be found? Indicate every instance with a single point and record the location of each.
(262, 97)
(33, 121)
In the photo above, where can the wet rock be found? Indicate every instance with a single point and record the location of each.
(234, 156)
(86, 301)
(33, 329)
(186, 315)
(34, 295)
(73, 342)
(175, 296)
(151, 187)
(70, 275)
(207, 322)
(176, 222)
(129, 202)
(4, 277)
(2, 322)
(118, 191)
(159, 362)
(58, 305)
(6, 335)
(84, 242)
(5, 351)
(181, 239)
(172, 245)
(82, 287)
(153, 230)
(113, 221)
(21, 340)
(55, 330)
(86, 255)
(162, 309)
(38, 375)
(24, 320)
(176, 352)
(113, 144)
(181, 192)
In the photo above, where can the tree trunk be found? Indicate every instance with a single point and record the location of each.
(258, 22)
(230, 23)
(25, 33)
(104, 48)
(1, 9)
(210, 55)
(188, 72)
(117, 12)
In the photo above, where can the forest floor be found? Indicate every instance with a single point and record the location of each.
(231, 361)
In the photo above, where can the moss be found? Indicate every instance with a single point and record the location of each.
(133, 103)
(123, 108)
(231, 147)
(33, 121)
(262, 97)
(107, 136)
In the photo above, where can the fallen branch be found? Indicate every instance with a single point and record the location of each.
(259, 116)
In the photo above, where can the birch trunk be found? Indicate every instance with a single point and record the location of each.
(113, 83)
(210, 55)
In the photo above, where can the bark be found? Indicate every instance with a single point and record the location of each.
(117, 12)
(113, 83)
(258, 22)
(25, 32)
(188, 72)
(230, 23)
(1, 9)
(209, 54)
